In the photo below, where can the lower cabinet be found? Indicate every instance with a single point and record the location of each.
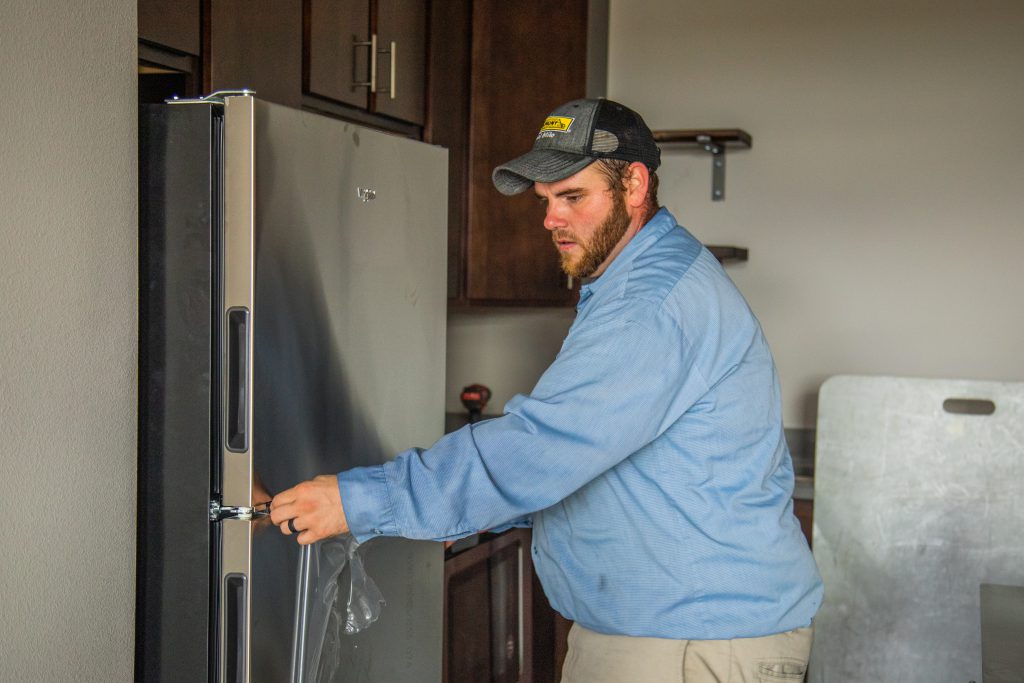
(498, 623)
(803, 508)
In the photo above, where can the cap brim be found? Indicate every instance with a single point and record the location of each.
(537, 166)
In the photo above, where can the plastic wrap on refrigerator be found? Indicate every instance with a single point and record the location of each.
(330, 602)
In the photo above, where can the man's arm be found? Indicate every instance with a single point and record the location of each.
(613, 388)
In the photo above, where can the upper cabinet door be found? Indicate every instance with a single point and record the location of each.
(257, 44)
(171, 23)
(509, 255)
(336, 54)
(365, 60)
(401, 59)
(368, 55)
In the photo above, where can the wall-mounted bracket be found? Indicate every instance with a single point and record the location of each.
(728, 254)
(713, 140)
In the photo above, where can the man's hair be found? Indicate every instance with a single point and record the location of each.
(614, 171)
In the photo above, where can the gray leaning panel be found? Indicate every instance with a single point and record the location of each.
(349, 324)
(914, 508)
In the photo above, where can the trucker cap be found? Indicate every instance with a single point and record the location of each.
(573, 137)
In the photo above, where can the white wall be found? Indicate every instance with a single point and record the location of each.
(506, 350)
(68, 300)
(883, 198)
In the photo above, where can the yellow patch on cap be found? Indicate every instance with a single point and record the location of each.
(560, 123)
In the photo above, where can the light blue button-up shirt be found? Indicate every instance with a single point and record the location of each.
(650, 458)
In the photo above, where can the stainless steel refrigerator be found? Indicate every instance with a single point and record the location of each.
(292, 318)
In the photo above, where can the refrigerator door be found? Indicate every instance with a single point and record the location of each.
(348, 329)
(178, 214)
(236, 323)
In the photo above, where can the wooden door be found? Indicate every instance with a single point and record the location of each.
(510, 259)
(335, 54)
(257, 44)
(402, 23)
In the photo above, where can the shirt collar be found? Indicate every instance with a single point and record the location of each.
(660, 223)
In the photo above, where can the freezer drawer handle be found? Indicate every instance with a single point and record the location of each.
(238, 380)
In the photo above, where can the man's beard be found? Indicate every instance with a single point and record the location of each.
(601, 243)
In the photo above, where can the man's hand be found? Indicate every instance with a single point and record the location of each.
(260, 495)
(313, 508)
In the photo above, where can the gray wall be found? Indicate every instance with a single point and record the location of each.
(68, 304)
(881, 200)
(505, 349)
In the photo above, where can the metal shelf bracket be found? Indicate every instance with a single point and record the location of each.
(717, 166)
(713, 141)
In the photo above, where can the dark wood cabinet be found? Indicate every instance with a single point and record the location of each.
(257, 44)
(496, 70)
(336, 55)
(402, 27)
(174, 24)
(364, 60)
(170, 45)
(367, 55)
(498, 624)
(803, 509)
(447, 124)
(508, 256)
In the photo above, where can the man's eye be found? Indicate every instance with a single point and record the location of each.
(573, 198)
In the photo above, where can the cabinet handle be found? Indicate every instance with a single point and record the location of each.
(372, 44)
(392, 51)
(394, 69)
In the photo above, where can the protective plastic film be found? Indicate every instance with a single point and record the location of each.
(330, 601)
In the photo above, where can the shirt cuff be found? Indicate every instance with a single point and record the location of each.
(367, 503)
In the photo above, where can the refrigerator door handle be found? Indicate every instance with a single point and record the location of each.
(238, 367)
(236, 641)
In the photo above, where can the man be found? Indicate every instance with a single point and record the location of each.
(650, 457)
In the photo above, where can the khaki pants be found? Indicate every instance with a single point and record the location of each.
(597, 658)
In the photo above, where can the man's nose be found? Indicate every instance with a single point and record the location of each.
(552, 221)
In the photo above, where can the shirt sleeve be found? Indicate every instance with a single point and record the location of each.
(613, 388)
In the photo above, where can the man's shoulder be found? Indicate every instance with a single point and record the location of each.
(677, 278)
(657, 272)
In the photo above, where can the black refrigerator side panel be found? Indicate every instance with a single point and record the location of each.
(178, 213)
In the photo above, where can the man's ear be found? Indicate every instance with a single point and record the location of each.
(637, 179)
